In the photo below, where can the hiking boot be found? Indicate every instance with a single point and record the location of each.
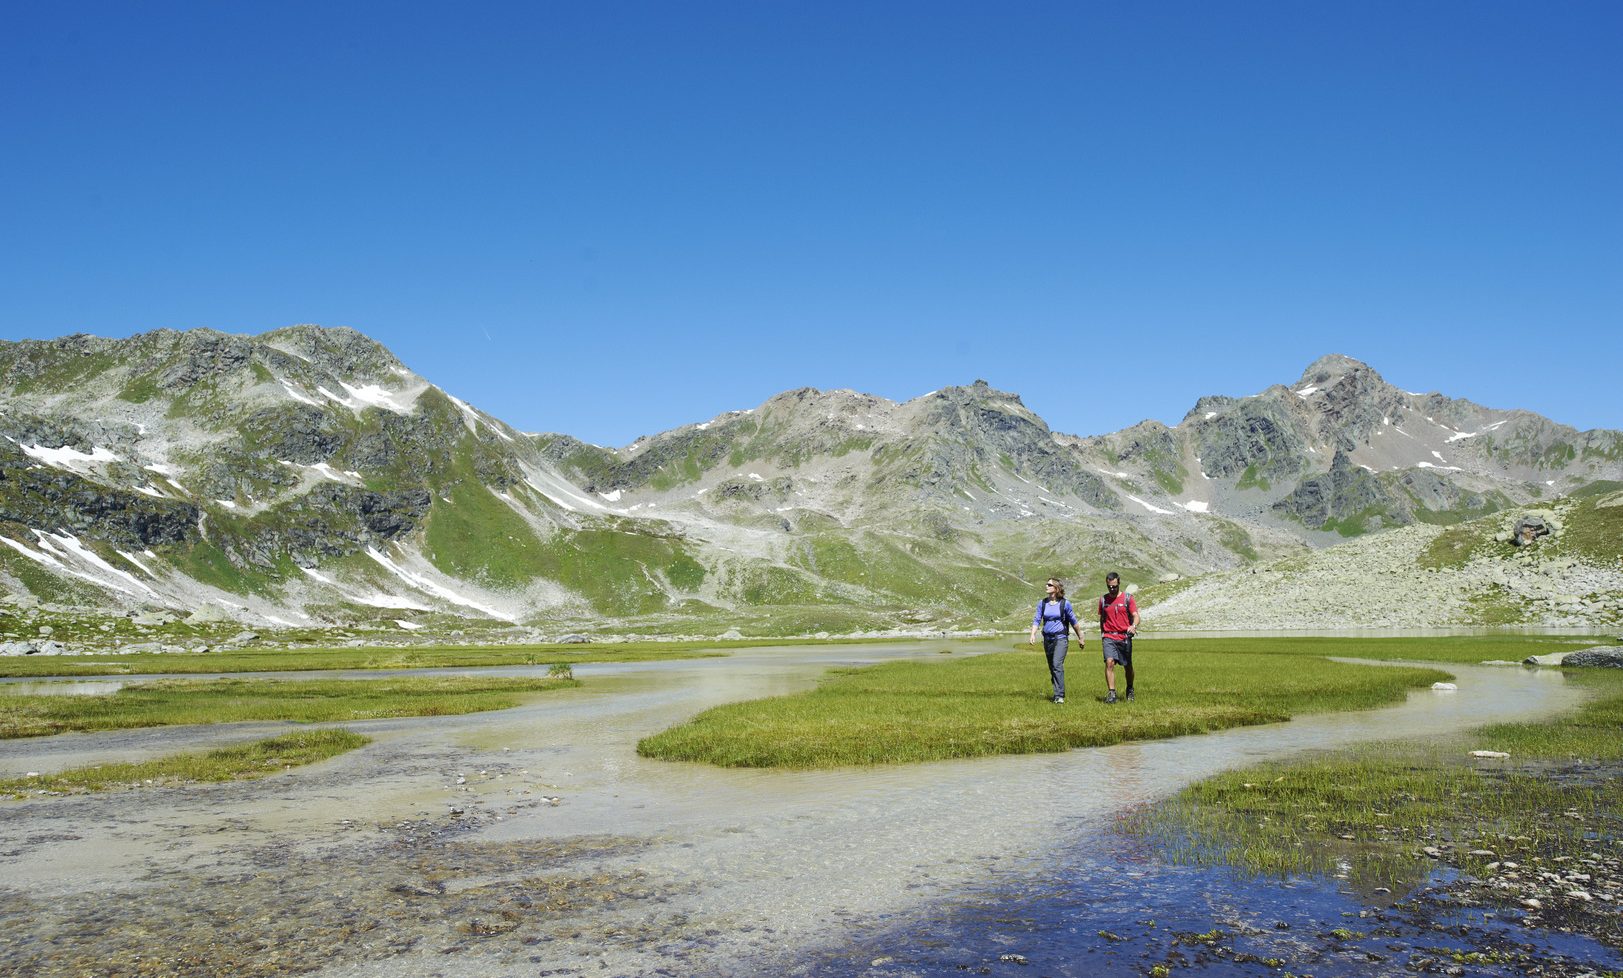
(1110, 697)
(1129, 694)
(1059, 700)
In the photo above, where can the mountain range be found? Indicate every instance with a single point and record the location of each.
(306, 478)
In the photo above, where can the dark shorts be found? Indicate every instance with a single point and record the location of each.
(1119, 649)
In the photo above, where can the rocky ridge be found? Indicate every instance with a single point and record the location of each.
(306, 478)
(1409, 578)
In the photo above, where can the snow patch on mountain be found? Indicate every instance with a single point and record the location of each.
(421, 580)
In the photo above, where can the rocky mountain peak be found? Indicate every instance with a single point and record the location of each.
(339, 349)
(1329, 370)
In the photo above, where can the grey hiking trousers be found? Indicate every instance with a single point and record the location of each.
(1055, 646)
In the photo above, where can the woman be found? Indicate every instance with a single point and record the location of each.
(1053, 615)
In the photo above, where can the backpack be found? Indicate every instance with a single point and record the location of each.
(1126, 603)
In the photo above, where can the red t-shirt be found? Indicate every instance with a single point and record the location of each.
(1115, 616)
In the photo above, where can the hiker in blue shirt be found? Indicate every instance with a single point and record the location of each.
(1053, 615)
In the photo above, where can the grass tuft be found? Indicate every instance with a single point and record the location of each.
(904, 712)
(1386, 813)
(237, 763)
(184, 701)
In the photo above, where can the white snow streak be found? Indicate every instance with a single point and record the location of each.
(132, 559)
(65, 457)
(298, 395)
(1153, 509)
(1195, 506)
(433, 587)
(561, 493)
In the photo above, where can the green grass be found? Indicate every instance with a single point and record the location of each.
(1451, 548)
(997, 704)
(1369, 812)
(1594, 530)
(1356, 524)
(302, 660)
(478, 537)
(1235, 539)
(183, 701)
(1252, 479)
(237, 763)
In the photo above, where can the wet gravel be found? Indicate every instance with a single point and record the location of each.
(410, 887)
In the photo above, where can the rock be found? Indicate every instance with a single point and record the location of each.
(33, 647)
(1489, 753)
(1608, 656)
(1169, 578)
(731, 634)
(1529, 528)
(153, 619)
(1013, 958)
(1552, 659)
(574, 640)
(1444, 687)
(45, 631)
(208, 613)
(243, 638)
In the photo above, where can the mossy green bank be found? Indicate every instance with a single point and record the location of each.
(997, 703)
(239, 762)
(174, 702)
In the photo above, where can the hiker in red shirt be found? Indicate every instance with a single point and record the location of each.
(1118, 623)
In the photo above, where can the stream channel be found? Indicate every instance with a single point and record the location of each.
(534, 841)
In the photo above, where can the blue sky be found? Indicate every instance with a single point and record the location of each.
(610, 219)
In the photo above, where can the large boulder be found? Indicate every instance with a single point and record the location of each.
(1609, 656)
(1530, 526)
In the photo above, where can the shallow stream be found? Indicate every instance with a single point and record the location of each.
(535, 840)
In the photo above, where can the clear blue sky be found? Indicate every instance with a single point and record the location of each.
(612, 218)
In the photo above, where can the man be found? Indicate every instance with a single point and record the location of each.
(1054, 613)
(1118, 623)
